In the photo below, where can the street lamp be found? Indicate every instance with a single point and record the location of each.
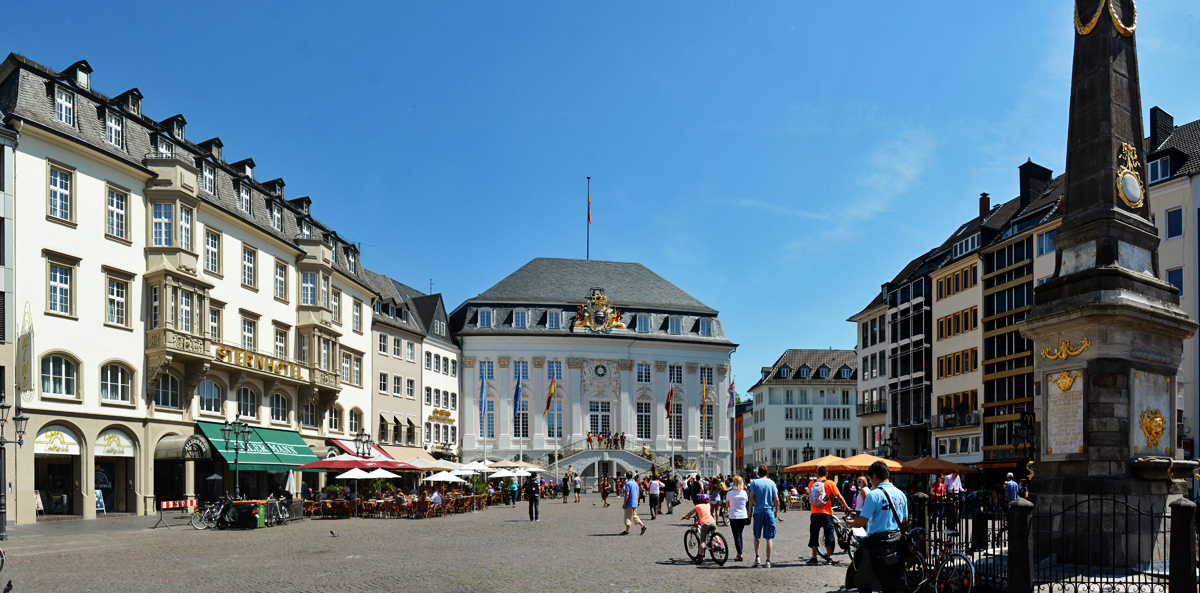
(363, 445)
(893, 446)
(237, 433)
(21, 421)
(808, 452)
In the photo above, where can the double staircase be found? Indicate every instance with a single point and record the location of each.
(635, 457)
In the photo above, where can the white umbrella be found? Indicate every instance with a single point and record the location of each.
(444, 477)
(354, 474)
(503, 474)
(478, 466)
(521, 473)
(381, 473)
(424, 463)
(463, 471)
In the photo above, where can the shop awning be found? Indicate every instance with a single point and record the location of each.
(405, 453)
(269, 449)
(182, 446)
(348, 447)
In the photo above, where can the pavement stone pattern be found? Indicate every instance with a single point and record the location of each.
(575, 547)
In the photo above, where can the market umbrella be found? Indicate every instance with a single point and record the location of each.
(521, 473)
(510, 464)
(859, 464)
(347, 461)
(381, 473)
(503, 474)
(444, 477)
(478, 466)
(810, 467)
(933, 465)
(423, 464)
(463, 471)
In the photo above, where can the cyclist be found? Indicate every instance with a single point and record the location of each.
(704, 516)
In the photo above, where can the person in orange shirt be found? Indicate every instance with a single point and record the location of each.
(820, 498)
(704, 516)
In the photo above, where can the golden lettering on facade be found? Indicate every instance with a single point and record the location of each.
(242, 358)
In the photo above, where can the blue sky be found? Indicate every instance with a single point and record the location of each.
(779, 161)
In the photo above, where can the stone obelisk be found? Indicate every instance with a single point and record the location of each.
(1108, 331)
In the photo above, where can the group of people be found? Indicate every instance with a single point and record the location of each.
(608, 440)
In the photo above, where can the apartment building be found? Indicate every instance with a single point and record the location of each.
(872, 406)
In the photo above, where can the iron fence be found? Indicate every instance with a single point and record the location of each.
(974, 525)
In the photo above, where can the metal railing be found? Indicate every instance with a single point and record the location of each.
(954, 420)
(873, 407)
(1100, 544)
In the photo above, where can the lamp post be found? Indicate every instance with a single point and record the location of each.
(237, 432)
(808, 452)
(21, 421)
(363, 445)
(893, 446)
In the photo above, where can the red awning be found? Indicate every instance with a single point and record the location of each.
(348, 446)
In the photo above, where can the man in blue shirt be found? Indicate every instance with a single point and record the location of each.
(631, 503)
(882, 507)
(764, 497)
(1010, 489)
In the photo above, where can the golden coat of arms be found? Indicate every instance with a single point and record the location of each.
(597, 315)
(1153, 424)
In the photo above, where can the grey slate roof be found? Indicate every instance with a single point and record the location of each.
(1186, 139)
(794, 359)
(27, 92)
(546, 287)
(383, 286)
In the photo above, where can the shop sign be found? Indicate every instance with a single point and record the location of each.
(440, 415)
(25, 360)
(114, 443)
(259, 362)
(56, 440)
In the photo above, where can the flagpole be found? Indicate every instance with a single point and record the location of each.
(589, 218)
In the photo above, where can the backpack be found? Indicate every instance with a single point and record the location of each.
(816, 494)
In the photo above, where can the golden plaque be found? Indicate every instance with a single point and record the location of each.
(1153, 424)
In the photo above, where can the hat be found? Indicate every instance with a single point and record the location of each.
(1010, 475)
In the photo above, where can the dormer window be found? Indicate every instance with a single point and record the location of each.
(135, 104)
(165, 147)
(350, 260)
(378, 306)
(803, 372)
(823, 372)
(64, 106)
(553, 320)
(785, 372)
(520, 319)
(178, 131)
(966, 245)
(404, 315)
(485, 318)
(706, 328)
(243, 200)
(306, 230)
(276, 217)
(674, 326)
(83, 78)
(643, 323)
(845, 372)
(1160, 169)
(115, 126)
(208, 181)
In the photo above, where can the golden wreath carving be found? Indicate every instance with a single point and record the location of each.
(1064, 350)
(1153, 425)
(1125, 31)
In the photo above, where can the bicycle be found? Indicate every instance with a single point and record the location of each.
(277, 514)
(206, 517)
(715, 544)
(952, 571)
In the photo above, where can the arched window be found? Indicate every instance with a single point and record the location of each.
(335, 419)
(166, 394)
(355, 421)
(58, 375)
(308, 416)
(114, 383)
(280, 407)
(247, 402)
(211, 397)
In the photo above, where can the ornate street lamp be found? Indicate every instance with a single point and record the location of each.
(237, 433)
(808, 452)
(21, 421)
(363, 445)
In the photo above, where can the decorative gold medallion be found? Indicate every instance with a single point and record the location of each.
(1064, 350)
(1065, 380)
(1153, 425)
(597, 316)
(1129, 183)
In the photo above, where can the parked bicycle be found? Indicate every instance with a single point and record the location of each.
(715, 544)
(203, 518)
(277, 514)
(952, 571)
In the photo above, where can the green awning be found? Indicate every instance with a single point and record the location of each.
(269, 449)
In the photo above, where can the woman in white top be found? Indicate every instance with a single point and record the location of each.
(863, 491)
(739, 517)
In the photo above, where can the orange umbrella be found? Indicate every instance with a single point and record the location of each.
(859, 464)
(810, 467)
(933, 465)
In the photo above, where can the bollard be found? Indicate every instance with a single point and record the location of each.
(1020, 547)
(979, 524)
(920, 517)
(1182, 565)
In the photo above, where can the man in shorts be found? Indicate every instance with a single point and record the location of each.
(764, 496)
(820, 499)
(631, 504)
(578, 485)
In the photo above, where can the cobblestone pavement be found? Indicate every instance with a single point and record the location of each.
(575, 547)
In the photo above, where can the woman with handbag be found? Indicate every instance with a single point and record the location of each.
(880, 560)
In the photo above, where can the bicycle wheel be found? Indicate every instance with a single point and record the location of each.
(210, 518)
(915, 573)
(717, 549)
(691, 544)
(956, 575)
(198, 520)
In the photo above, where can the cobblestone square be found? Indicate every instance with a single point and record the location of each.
(575, 547)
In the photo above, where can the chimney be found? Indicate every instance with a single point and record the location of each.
(1162, 125)
(1034, 179)
(985, 204)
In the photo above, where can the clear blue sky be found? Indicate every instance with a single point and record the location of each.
(779, 161)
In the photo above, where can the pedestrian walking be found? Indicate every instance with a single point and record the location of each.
(604, 488)
(622, 440)
(566, 485)
(631, 504)
(880, 560)
(531, 494)
(739, 515)
(861, 498)
(764, 497)
(1011, 489)
(578, 483)
(820, 498)
(669, 486)
(513, 489)
(655, 490)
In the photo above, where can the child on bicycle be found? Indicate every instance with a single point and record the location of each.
(704, 516)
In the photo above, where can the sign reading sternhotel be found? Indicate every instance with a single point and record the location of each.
(250, 360)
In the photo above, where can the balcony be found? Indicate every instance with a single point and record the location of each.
(874, 407)
(955, 420)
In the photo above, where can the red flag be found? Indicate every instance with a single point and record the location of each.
(670, 396)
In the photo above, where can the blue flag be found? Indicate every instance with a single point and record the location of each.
(482, 397)
(517, 400)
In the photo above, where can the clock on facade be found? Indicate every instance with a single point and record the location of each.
(600, 370)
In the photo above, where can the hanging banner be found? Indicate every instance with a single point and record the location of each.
(114, 443)
(56, 440)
